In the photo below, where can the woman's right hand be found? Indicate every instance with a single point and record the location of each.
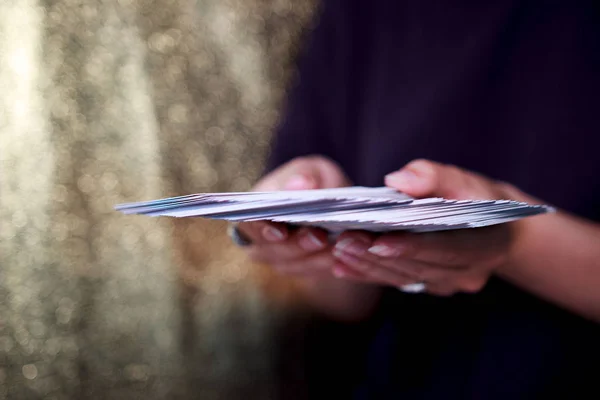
(304, 251)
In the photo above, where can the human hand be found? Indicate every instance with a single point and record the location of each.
(305, 251)
(447, 262)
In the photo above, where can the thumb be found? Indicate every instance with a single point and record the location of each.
(300, 181)
(418, 178)
(424, 178)
(304, 173)
(295, 175)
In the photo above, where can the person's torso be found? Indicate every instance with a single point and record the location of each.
(504, 88)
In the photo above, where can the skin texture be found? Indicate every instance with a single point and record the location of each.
(554, 256)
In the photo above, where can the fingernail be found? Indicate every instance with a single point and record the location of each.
(352, 246)
(272, 234)
(343, 243)
(310, 242)
(402, 178)
(298, 182)
(382, 250)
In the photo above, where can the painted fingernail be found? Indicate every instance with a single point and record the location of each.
(382, 250)
(272, 234)
(310, 242)
(342, 244)
(352, 246)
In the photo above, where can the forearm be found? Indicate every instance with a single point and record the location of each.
(557, 257)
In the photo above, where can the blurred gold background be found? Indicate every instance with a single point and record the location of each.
(113, 101)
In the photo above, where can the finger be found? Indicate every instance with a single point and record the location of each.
(354, 246)
(391, 249)
(373, 271)
(424, 178)
(262, 232)
(355, 242)
(442, 279)
(342, 271)
(316, 264)
(319, 265)
(299, 244)
(425, 272)
(411, 270)
(445, 280)
(449, 248)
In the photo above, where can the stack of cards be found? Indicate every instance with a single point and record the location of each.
(355, 208)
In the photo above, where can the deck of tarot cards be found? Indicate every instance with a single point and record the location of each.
(355, 208)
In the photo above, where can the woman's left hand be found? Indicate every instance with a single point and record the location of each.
(446, 262)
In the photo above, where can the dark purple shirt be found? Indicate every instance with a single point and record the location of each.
(505, 88)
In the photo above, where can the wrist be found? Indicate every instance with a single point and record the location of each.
(518, 230)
